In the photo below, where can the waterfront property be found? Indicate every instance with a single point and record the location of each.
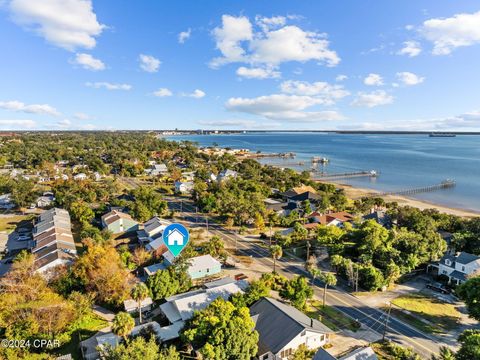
(282, 329)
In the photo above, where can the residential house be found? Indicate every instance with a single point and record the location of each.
(118, 222)
(282, 329)
(80, 176)
(180, 308)
(297, 191)
(152, 230)
(53, 242)
(184, 187)
(90, 347)
(153, 269)
(202, 266)
(157, 170)
(189, 176)
(131, 306)
(458, 267)
(226, 174)
(361, 353)
(331, 219)
(380, 216)
(275, 206)
(46, 200)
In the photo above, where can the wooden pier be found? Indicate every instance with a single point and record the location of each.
(324, 176)
(447, 184)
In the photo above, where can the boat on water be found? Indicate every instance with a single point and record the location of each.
(319, 160)
(442, 135)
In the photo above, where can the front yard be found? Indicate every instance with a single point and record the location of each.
(331, 317)
(426, 313)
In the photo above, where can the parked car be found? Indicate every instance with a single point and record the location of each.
(438, 287)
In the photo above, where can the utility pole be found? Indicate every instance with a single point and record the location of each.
(206, 219)
(308, 250)
(181, 205)
(356, 280)
(386, 320)
(270, 235)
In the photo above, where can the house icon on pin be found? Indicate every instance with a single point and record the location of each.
(175, 237)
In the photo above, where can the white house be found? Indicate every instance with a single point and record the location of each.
(152, 230)
(183, 187)
(226, 174)
(282, 329)
(6, 201)
(131, 305)
(80, 176)
(457, 267)
(45, 200)
(157, 170)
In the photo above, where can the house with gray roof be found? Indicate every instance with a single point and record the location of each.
(458, 267)
(157, 170)
(282, 329)
(226, 174)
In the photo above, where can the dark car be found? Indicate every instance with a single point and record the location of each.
(438, 287)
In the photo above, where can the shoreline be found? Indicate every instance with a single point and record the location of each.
(353, 192)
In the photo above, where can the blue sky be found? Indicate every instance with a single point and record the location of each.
(383, 65)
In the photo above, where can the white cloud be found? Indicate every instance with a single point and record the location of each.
(410, 48)
(325, 93)
(17, 124)
(68, 24)
(108, 86)
(238, 42)
(196, 94)
(282, 107)
(372, 99)
(184, 36)
(88, 62)
(81, 116)
(341, 77)
(408, 78)
(258, 72)
(32, 109)
(447, 34)
(228, 39)
(268, 23)
(373, 80)
(149, 63)
(162, 92)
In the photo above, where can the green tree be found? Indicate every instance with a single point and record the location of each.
(370, 277)
(222, 331)
(302, 353)
(315, 272)
(276, 252)
(328, 279)
(81, 211)
(469, 292)
(139, 349)
(445, 354)
(22, 192)
(168, 282)
(123, 324)
(469, 345)
(297, 291)
(139, 293)
(329, 235)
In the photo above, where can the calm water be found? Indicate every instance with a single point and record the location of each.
(404, 161)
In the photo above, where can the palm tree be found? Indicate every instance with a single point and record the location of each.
(315, 272)
(139, 293)
(330, 280)
(123, 324)
(276, 252)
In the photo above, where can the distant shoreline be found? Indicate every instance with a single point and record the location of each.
(353, 192)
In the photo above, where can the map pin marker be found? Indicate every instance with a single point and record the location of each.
(175, 237)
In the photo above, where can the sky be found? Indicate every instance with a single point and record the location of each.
(253, 65)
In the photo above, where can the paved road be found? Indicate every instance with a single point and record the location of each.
(351, 306)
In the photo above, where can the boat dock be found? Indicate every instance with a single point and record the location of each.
(320, 176)
(447, 184)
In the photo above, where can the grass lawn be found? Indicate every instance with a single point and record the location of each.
(386, 350)
(84, 329)
(440, 316)
(9, 223)
(331, 317)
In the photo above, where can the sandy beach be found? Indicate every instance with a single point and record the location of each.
(356, 193)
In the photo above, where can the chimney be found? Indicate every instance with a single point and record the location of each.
(311, 322)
